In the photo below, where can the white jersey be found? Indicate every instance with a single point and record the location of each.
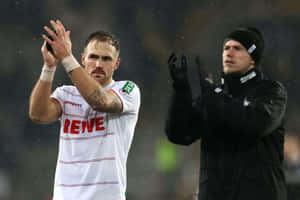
(94, 146)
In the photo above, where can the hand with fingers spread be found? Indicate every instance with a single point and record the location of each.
(60, 42)
(178, 72)
(60, 39)
(49, 59)
(48, 46)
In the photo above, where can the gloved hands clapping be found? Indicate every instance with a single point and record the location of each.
(178, 72)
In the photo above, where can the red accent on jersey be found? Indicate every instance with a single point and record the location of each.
(96, 124)
(75, 126)
(90, 125)
(83, 126)
(73, 103)
(99, 124)
(66, 125)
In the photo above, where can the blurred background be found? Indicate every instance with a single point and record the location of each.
(148, 32)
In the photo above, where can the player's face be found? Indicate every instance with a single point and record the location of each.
(236, 59)
(100, 59)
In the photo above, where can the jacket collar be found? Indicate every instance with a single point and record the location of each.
(235, 84)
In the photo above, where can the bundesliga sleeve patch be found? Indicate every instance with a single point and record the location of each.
(128, 87)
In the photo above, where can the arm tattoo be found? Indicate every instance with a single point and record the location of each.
(116, 105)
(98, 100)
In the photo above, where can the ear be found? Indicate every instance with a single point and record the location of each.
(83, 59)
(117, 63)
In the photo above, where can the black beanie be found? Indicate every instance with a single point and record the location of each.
(251, 39)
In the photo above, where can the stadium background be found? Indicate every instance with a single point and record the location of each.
(148, 32)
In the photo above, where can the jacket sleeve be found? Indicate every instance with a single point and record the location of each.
(249, 118)
(182, 118)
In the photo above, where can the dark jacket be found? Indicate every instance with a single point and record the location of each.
(240, 125)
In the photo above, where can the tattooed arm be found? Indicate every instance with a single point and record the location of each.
(105, 99)
(98, 98)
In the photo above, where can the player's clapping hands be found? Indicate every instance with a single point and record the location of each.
(49, 59)
(178, 72)
(61, 42)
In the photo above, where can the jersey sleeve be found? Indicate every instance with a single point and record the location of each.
(59, 95)
(129, 93)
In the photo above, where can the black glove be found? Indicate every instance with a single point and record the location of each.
(178, 72)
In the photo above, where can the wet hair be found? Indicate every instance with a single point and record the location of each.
(103, 36)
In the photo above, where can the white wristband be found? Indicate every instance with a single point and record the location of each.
(47, 74)
(70, 63)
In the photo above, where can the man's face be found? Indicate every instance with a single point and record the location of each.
(100, 59)
(236, 59)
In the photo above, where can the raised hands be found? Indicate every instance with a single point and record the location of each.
(60, 39)
(177, 71)
(49, 59)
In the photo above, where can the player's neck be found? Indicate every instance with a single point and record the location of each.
(107, 83)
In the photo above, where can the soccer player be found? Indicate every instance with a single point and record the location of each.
(98, 115)
(240, 123)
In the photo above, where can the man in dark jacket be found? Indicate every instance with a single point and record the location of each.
(240, 123)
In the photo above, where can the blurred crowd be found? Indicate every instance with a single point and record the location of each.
(148, 31)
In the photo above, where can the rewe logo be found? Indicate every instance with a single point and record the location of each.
(79, 126)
